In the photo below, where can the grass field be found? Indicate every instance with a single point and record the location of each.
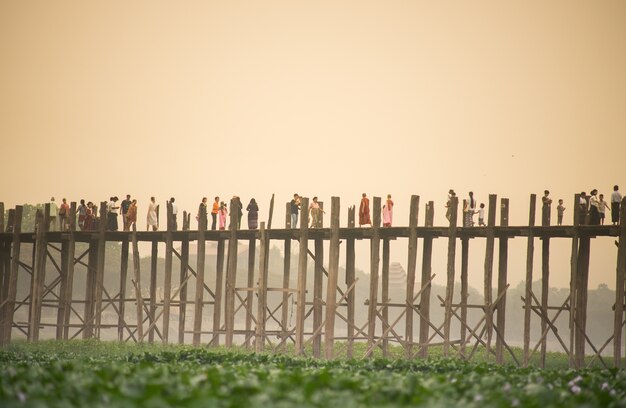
(102, 374)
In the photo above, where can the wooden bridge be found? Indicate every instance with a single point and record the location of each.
(55, 263)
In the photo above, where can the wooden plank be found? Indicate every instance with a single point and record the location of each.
(68, 250)
(374, 265)
(318, 281)
(231, 275)
(182, 295)
(302, 272)
(530, 249)
(488, 278)
(123, 282)
(619, 285)
(410, 274)
(167, 279)
(250, 295)
(137, 283)
(100, 269)
(333, 277)
(384, 280)
(425, 287)
(219, 290)
(39, 274)
(503, 253)
(261, 316)
(154, 257)
(464, 292)
(573, 278)
(454, 204)
(198, 299)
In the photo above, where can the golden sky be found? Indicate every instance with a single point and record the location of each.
(326, 98)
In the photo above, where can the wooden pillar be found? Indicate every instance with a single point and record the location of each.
(261, 316)
(425, 287)
(318, 281)
(350, 276)
(39, 274)
(4, 272)
(68, 249)
(464, 290)
(374, 265)
(219, 286)
(410, 274)
(302, 272)
(333, 277)
(231, 274)
(284, 318)
(250, 294)
(582, 282)
(619, 288)
(454, 204)
(123, 280)
(385, 295)
(199, 298)
(545, 280)
(100, 267)
(154, 256)
(184, 271)
(90, 290)
(503, 255)
(167, 281)
(137, 283)
(573, 279)
(9, 307)
(488, 282)
(530, 249)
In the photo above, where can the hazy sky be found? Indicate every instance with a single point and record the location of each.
(204, 98)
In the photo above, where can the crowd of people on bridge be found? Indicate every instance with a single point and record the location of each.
(592, 211)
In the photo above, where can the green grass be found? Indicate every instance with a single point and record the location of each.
(103, 374)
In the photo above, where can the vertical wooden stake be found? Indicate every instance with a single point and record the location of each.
(250, 294)
(100, 268)
(153, 289)
(137, 283)
(350, 276)
(619, 291)
(199, 297)
(219, 288)
(545, 281)
(123, 281)
(573, 280)
(318, 281)
(261, 316)
(284, 318)
(231, 274)
(374, 265)
(503, 255)
(9, 307)
(90, 290)
(454, 204)
(68, 249)
(530, 249)
(302, 272)
(385, 296)
(410, 274)
(464, 290)
(39, 275)
(184, 271)
(488, 283)
(582, 283)
(333, 277)
(426, 273)
(167, 284)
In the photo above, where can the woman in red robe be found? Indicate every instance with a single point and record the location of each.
(364, 212)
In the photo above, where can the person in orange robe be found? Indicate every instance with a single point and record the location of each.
(364, 211)
(131, 216)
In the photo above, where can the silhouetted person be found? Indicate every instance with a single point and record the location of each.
(616, 200)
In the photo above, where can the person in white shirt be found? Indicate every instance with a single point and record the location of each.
(152, 218)
(481, 215)
(594, 213)
(174, 214)
(112, 209)
(602, 207)
(54, 209)
(616, 199)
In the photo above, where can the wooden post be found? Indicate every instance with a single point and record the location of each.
(68, 249)
(90, 290)
(261, 316)
(582, 281)
(425, 287)
(9, 307)
(199, 298)
(350, 276)
(39, 274)
(284, 318)
(4, 273)
(231, 274)
(464, 291)
(318, 281)
(410, 274)
(250, 295)
(219, 288)
(530, 249)
(385, 296)
(167, 281)
(302, 272)
(137, 283)
(374, 265)
(153, 289)
(123, 280)
(619, 288)
(545, 280)
(333, 277)
(488, 282)
(503, 254)
(573, 279)
(269, 220)
(454, 204)
(184, 271)
(99, 288)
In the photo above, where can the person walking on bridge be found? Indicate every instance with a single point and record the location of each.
(202, 214)
(214, 211)
(616, 199)
(152, 218)
(364, 211)
(253, 214)
(223, 214)
(295, 207)
(131, 216)
(388, 212)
